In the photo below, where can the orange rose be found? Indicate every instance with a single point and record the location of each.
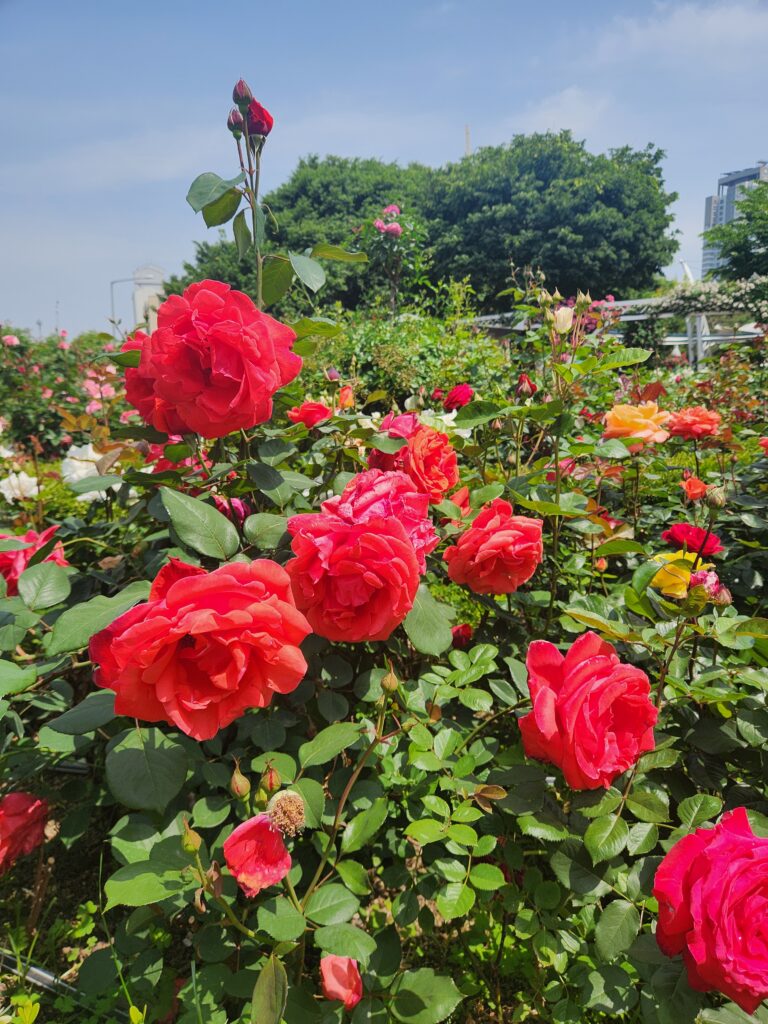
(645, 422)
(694, 422)
(694, 488)
(346, 397)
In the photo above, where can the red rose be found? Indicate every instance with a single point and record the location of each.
(13, 563)
(692, 538)
(694, 422)
(462, 635)
(205, 647)
(498, 552)
(340, 977)
(379, 495)
(712, 890)
(525, 387)
(592, 715)
(256, 855)
(22, 826)
(310, 414)
(213, 364)
(763, 442)
(354, 581)
(260, 121)
(457, 397)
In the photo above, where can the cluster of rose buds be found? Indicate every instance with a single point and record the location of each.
(248, 115)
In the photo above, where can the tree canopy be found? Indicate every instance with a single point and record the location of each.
(743, 243)
(589, 221)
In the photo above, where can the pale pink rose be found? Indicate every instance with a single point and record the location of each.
(63, 334)
(128, 415)
(11, 340)
(380, 225)
(109, 347)
(393, 209)
(64, 345)
(94, 406)
(47, 393)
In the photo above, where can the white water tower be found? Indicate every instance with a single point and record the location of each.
(147, 288)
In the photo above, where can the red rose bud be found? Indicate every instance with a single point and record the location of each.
(239, 786)
(242, 95)
(525, 386)
(260, 121)
(270, 780)
(462, 635)
(236, 122)
(458, 397)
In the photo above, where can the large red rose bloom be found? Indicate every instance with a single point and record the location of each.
(354, 581)
(22, 826)
(213, 364)
(692, 538)
(205, 646)
(592, 715)
(712, 890)
(498, 553)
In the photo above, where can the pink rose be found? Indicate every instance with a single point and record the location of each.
(341, 981)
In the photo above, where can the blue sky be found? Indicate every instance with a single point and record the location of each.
(108, 110)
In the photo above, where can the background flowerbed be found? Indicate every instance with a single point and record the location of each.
(373, 668)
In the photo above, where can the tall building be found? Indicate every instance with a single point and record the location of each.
(721, 209)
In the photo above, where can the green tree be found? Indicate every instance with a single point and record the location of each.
(218, 261)
(743, 243)
(589, 221)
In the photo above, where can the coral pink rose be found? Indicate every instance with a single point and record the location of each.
(592, 715)
(204, 647)
(354, 581)
(498, 552)
(692, 538)
(346, 397)
(340, 978)
(428, 458)
(310, 414)
(393, 229)
(256, 855)
(22, 826)
(712, 890)
(644, 422)
(13, 563)
(694, 488)
(458, 397)
(379, 495)
(213, 364)
(694, 422)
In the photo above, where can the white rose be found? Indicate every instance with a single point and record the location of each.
(18, 486)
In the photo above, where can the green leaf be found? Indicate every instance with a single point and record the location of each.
(200, 526)
(142, 883)
(222, 209)
(619, 547)
(332, 904)
(476, 413)
(242, 234)
(423, 997)
(44, 585)
(328, 744)
(75, 627)
(543, 826)
(346, 940)
(265, 529)
(96, 710)
(276, 279)
(323, 251)
(145, 769)
(130, 358)
(608, 627)
(487, 877)
(308, 271)
(15, 679)
(455, 900)
(623, 357)
(606, 837)
(428, 623)
(313, 795)
(270, 993)
(354, 876)
(95, 483)
(207, 187)
(647, 806)
(316, 327)
(616, 929)
(364, 826)
(425, 831)
(281, 920)
(642, 838)
(701, 807)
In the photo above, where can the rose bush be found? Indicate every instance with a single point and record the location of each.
(355, 707)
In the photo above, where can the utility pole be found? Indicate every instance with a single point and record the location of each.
(467, 141)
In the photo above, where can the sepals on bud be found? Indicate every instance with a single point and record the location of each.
(236, 122)
(270, 780)
(525, 387)
(239, 786)
(389, 683)
(242, 95)
(191, 841)
(715, 497)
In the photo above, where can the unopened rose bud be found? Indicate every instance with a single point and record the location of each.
(389, 683)
(191, 841)
(332, 373)
(462, 635)
(242, 95)
(260, 121)
(525, 387)
(723, 597)
(435, 714)
(270, 780)
(601, 564)
(715, 497)
(236, 122)
(563, 319)
(239, 786)
(286, 810)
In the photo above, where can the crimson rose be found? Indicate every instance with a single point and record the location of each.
(22, 826)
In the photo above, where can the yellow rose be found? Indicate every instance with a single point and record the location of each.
(645, 421)
(673, 580)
